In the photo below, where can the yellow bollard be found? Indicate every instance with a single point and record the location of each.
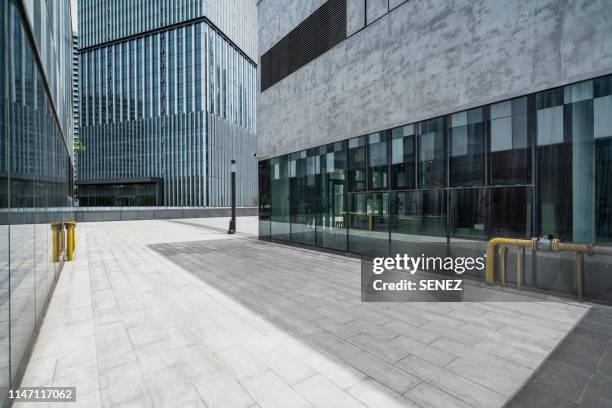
(70, 227)
(55, 241)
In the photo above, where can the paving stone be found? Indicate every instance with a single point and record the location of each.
(340, 330)
(232, 321)
(388, 349)
(414, 332)
(375, 395)
(385, 373)
(222, 390)
(429, 396)
(270, 392)
(533, 396)
(322, 393)
(451, 383)
(577, 373)
(286, 366)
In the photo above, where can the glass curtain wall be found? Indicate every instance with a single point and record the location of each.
(536, 165)
(357, 164)
(178, 105)
(331, 216)
(419, 222)
(303, 167)
(264, 198)
(378, 166)
(403, 170)
(431, 140)
(510, 143)
(279, 199)
(467, 148)
(5, 373)
(602, 132)
(554, 161)
(368, 227)
(35, 179)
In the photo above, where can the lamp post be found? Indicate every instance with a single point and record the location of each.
(232, 225)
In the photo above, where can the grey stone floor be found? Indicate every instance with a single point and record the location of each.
(578, 374)
(163, 314)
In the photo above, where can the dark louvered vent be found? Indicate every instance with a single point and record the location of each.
(322, 30)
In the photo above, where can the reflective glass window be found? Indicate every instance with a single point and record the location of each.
(279, 198)
(432, 153)
(510, 146)
(331, 216)
(403, 168)
(377, 160)
(467, 148)
(357, 164)
(368, 229)
(303, 167)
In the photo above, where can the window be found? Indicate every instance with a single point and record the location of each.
(602, 104)
(331, 216)
(279, 198)
(469, 213)
(420, 213)
(303, 184)
(554, 158)
(369, 223)
(264, 198)
(357, 164)
(432, 153)
(510, 147)
(402, 158)
(467, 148)
(377, 159)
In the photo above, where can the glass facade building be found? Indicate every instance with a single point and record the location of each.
(166, 94)
(535, 165)
(35, 168)
(76, 103)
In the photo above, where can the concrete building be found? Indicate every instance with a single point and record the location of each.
(36, 130)
(167, 101)
(384, 123)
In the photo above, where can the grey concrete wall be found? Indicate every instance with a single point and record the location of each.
(119, 214)
(276, 18)
(395, 3)
(375, 9)
(355, 16)
(427, 58)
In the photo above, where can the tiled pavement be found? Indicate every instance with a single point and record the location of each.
(157, 313)
(578, 374)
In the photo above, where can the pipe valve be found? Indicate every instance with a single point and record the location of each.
(544, 245)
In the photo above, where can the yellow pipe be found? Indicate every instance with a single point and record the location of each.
(502, 265)
(490, 266)
(70, 226)
(579, 266)
(519, 267)
(558, 246)
(56, 241)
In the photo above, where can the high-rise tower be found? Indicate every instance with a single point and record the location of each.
(167, 101)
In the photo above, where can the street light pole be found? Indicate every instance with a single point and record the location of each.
(232, 225)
